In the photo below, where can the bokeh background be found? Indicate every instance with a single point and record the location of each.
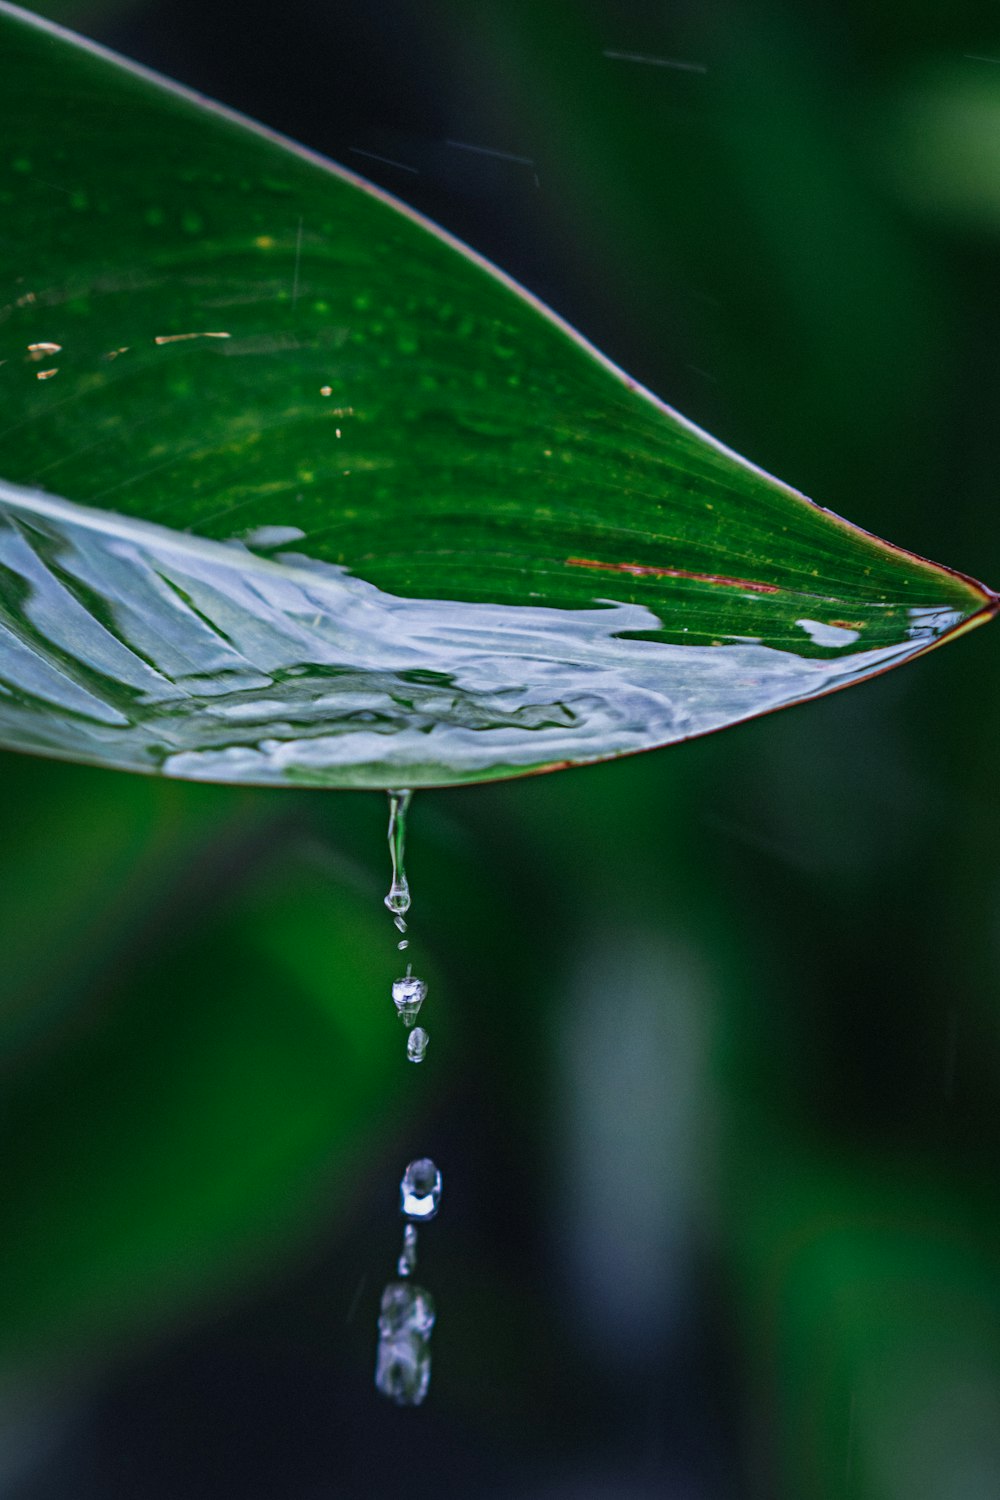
(715, 1038)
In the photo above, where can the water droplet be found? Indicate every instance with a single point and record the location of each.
(403, 1361)
(398, 899)
(416, 1044)
(408, 1255)
(405, 943)
(408, 996)
(420, 1189)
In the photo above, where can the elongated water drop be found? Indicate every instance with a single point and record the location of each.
(420, 1189)
(408, 996)
(416, 1044)
(398, 899)
(407, 1263)
(403, 1361)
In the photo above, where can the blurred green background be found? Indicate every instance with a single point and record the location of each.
(715, 1041)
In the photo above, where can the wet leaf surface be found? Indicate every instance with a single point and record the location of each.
(297, 490)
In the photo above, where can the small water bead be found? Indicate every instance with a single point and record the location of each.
(404, 944)
(408, 995)
(416, 1044)
(408, 1255)
(420, 1189)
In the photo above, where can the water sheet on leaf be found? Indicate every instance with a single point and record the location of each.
(296, 489)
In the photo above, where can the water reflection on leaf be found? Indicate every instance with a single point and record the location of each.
(132, 646)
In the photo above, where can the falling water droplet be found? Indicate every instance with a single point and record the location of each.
(408, 1255)
(416, 1044)
(403, 1361)
(408, 996)
(405, 943)
(420, 1189)
(398, 899)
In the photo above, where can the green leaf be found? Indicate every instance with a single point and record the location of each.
(296, 489)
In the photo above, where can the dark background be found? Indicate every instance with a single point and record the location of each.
(713, 1075)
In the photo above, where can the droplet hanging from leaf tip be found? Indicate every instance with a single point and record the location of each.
(398, 898)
